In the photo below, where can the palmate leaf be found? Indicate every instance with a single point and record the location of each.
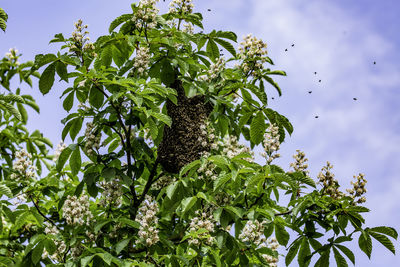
(384, 241)
(118, 21)
(257, 128)
(228, 46)
(4, 190)
(385, 230)
(10, 109)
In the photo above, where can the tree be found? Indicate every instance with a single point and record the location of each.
(158, 177)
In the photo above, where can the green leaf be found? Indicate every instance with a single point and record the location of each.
(227, 35)
(385, 230)
(187, 204)
(245, 118)
(281, 234)
(384, 241)
(75, 127)
(4, 190)
(37, 252)
(365, 243)
(49, 245)
(340, 260)
(106, 56)
(212, 49)
(11, 109)
(153, 128)
(347, 252)
(259, 91)
(273, 83)
(3, 24)
(3, 14)
(86, 260)
(46, 80)
(294, 248)
(96, 97)
(221, 180)
(119, 20)
(41, 60)
(122, 244)
(171, 189)
(228, 46)
(62, 159)
(167, 73)
(100, 225)
(162, 117)
(189, 166)
(323, 261)
(75, 161)
(108, 173)
(69, 101)
(304, 252)
(61, 70)
(257, 128)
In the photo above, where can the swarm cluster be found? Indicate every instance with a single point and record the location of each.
(300, 164)
(80, 40)
(271, 143)
(92, 139)
(23, 166)
(163, 181)
(181, 6)
(215, 70)
(146, 217)
(146, 15)
(60, 244)
(142, 59)
(253, 232)
(76, 210)
(12, 55)
(180, 144)
(253, 53)
(201, 227)
(112, 193)
(60, 147)
(358, 189)
(330, 185)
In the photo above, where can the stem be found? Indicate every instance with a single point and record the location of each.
(40, 212)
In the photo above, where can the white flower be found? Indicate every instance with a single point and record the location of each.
(148, 221)
(75, 210)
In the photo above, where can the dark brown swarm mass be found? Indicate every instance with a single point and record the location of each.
(182, 142)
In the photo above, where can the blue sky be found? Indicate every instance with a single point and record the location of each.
(338, 39)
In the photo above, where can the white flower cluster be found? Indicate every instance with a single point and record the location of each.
(300, 164)
(273, 244)
(142, 59)
(214, 71)
(162, 182)
(76, 210)
(201, 227)
(232, 148)
(23, 166)
(181, 6)
(77, 250)
(331, 185)
(12, 55)
(80, 38)
(19, 199)
(188, 28)
(271, 143)
(92, 139)
(222, 198)
(358, 188)
(112, 193)
(206, 171)
(60, 147)
(148, 221)
(253, 53)
(146, 14)
(253, 232)
(60, 244)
